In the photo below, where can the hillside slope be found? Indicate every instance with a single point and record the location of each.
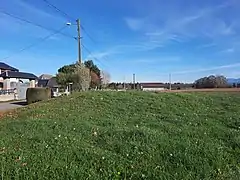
(119, 135)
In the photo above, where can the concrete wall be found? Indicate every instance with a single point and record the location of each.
(7, 97)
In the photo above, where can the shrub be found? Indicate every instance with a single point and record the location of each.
(38, 94)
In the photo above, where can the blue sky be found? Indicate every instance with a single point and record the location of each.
(187, 38)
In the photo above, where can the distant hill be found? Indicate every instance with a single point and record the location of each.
(233, 80)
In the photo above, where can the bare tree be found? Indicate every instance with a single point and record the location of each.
(105, 78)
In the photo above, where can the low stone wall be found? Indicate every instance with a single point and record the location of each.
(7, 97)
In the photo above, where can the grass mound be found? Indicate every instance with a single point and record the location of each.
(124, 135)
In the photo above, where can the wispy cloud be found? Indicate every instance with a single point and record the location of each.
(29, 8)
(228, 66)
(103, 55)
(180, 28)
(208, 45)
(156, 60)
(135, 23)
(229, 50)
(28, 11)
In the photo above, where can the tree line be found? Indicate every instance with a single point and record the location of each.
(211, 82)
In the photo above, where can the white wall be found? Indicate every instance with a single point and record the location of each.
(13, 80)
(153, 89)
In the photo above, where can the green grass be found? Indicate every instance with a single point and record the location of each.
(124, 135)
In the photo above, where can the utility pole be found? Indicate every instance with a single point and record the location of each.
(133, 81)
(79, 42)
(170, 82)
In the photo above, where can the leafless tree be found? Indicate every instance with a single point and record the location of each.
(105, 77)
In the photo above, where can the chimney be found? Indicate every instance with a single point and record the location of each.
(7, 73)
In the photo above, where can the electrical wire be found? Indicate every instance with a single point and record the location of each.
(35, 43)
(33, 23)
(69, 17)
(89, 36)
(57, 9)
(90, 53)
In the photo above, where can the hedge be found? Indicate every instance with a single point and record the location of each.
(38, 94)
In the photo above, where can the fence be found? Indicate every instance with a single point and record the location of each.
(6, 91)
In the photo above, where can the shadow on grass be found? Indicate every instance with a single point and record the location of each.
(20, 103)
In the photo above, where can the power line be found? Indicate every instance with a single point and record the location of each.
(73, 19)
(69, 17)
(57, 9)
(33, 23)
(89, 36)
(90, 53)
(35, 43)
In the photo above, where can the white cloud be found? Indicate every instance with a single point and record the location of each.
(178, 28)
(228, 66)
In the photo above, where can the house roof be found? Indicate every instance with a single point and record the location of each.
(43, 82)
(52, 82)
(48, 82)
(45, 76)
(21, 75)
(7, 67)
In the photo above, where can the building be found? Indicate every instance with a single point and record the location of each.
(153, 86)
(50, 83)
(12, 79)
(6, 68)
(45, 76)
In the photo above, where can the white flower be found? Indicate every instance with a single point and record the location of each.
(74, 129)
(95, 133)
(103, 157)
(137, 126)
(143, 175)
(171, 154)
(59, 135)
(127, 154)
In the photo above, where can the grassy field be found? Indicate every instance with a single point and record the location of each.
(124, 135)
